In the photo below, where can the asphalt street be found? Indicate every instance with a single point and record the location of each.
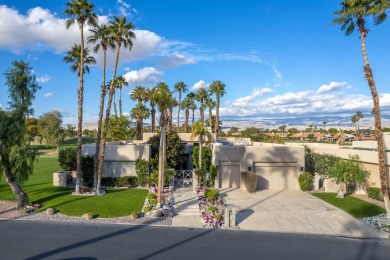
(52, 240)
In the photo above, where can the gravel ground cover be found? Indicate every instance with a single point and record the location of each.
(8, 211)
(379, 222)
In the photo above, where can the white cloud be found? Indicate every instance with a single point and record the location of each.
(175, 60)
(49, 94)
(1, 106)
(147, 75)
(200, 84)
(303, 103)
(333, 86)
(43, 79)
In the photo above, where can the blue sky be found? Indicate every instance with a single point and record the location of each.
(283, 62)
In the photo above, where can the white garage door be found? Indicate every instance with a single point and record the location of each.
(276, 176)
(229, 175)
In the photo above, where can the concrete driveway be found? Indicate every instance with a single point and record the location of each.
(293, 211)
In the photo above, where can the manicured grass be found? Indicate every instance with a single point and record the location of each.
(353, 206)
(116, 203)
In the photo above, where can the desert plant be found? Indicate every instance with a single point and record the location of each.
(250, 181)
(134, 215)
(67, 159)
(153, 202)
(211, 195)
(218, 217)
(147, 209)
(213, 208)
(151, 196)
(305, 181)
(375, 193)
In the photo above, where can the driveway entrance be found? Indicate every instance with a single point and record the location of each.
(292, 211)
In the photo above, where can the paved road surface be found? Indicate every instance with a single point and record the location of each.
(41, 240)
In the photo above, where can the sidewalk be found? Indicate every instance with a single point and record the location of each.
(186, 209)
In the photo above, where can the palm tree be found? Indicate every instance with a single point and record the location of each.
(180, 87)
(203, 135)
(101, 37)
(324, 123)
(354, 121)
(210, 103)
(282, 128)
(139, 94)
(120, 82)
(122, 33)
(139, 113)
(201, 95)
(80, 12)
(358, 115)
(73, 56)
(217, 88)
(186, 104)
(353, 13)
(193, 106)
(151, 97)
(163, 101)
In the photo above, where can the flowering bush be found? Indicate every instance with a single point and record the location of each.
(31, 207)
(211, 210)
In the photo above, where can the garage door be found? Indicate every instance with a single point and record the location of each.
(229, 175)
(276, 176)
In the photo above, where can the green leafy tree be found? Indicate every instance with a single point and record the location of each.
(353, 13)
(16, 156)
(50, 127)
(119, 129)
(32, 129)
(70, 131)
(180, 87)
(122, 33)
(217, 88)
(349, 171)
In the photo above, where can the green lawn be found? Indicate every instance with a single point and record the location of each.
(353, 206)
(116, 203)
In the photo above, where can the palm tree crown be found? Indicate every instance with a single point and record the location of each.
(180, 87)
(217, 88)
(73, 56)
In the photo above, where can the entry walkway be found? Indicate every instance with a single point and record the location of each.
(186, 209)
(293, 211)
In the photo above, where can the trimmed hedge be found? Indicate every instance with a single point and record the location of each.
(306, 181)
(375, 193)
(126, 181)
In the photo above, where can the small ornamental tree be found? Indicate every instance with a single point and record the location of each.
(349, 171)
(16, 156)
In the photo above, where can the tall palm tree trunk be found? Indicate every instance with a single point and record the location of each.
(178, 113)
(201, 114)
(139, 128)
(378, 127)
(216, 126)
(211, 120)
(80, 112)
(115, 111)
(193, 118)
(170, 119)
(97, 179)
(186, 120)
(120, 102)
(161, 165)
(153, 118)
(107, 119)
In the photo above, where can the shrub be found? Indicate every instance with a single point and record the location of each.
(211, 195)
(142, 171)
(87, 164)
(151, 196)
(125, 181)
(375, 193)
(218, 217)
(153, 202)
(147, 209)
(67, 159)
(250, 181)
(306, 181)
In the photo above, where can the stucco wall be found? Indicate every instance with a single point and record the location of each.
(120, 159)
(248, 156)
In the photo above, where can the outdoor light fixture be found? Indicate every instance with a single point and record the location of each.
(249, 169)
(301, 169)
